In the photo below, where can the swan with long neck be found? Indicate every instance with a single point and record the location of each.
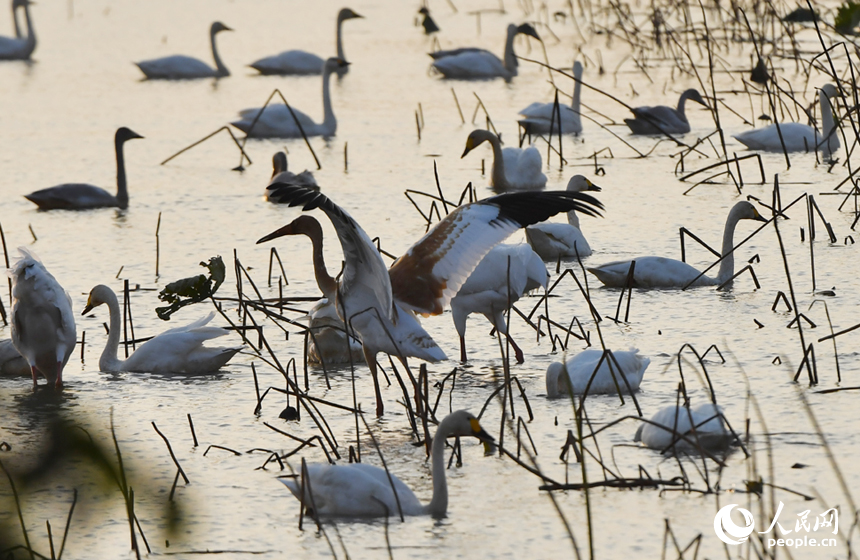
(82, 196)
(479, 64)
(276, 120)
(177, 350)
(360, 490)
(513, 168)
(376, 301)
(281, 174)
(661, 119)
(660, 272)
(553, 241)
(581, 372)
(21, 46)
(540, 118)
(302, 63)
(798, 137)
(181, 67)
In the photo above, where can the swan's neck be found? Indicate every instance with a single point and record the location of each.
(121, 185)
(828, 124)
(340, 54)
(727, 265)
(109, 361)
(573, 219)
(577, 90)
(31, 35)
(681, 102)
(221, 70)
(327, 284)
(329, 120)
(438, 506)
(510, 57)
(499, 179)
(15, 21)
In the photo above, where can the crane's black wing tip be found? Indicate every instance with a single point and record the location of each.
(527, 208)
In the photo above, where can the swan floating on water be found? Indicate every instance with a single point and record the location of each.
(493, 287)
(280, 174)
(181, 67)
(797, 137)
(361, 490)
(43, 325)
(12, 363)
(513, 168)
(539, 117)
(302, 63)
(277, 121)
(19, 47)
(581, 367)
(377, 301)
(660, 272)
(662, 119)
(553, 241)
(82, 196)
(685, 428)
(177, 350)
(479, 64)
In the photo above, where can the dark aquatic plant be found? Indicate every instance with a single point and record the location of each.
(195, 289)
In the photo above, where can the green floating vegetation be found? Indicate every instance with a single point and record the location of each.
(847, 17)
(190, 290)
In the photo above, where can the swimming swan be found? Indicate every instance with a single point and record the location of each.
(300, 62)
(479, 64)
(581, 367)
(685, 428)
(43, 325)
(280, 174)
(178, 350)
(539, 117)
(81, 196)
(660, 272)
(277, 121)
(361, 490)
(553, 241)
(12, 363)
(180, 67)
(19, 47)
(661, 119)
(797, 137)
(488, 290)
(513, 168)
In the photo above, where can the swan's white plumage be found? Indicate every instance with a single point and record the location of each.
(177, 350)
(480, 64)
(328, 345)
(539, 118)
(12, 363)
(581, 367)
(797, 137)
(660, 272)
(43, 325)
(19, 47)
(181, 67)
(276, 120)
(675, 428)
(513, 168)
(360, 490)
(494, 284)
(662, 119)
(553, 241)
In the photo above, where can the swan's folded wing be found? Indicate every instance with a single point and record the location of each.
(432, 271)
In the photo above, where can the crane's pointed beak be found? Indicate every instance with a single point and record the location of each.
(286, 230)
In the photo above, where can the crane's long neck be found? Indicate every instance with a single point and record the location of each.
(438, 506)
(498, 177)
(219, 66)
(510, 57)
(339, 39)
(327, 284)
(727, 265)
(329, 120)
(109, 360)
(121, 185)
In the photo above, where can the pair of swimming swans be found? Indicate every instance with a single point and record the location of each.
(181, 67)
(660, 272)
(552, 240)
(276, 120)
(472, 63)
(540, 118)
(578, 373)
(361, 490)
(661, 119)
(302, 63)
(82, 196)
(513, 168)
(19, 47)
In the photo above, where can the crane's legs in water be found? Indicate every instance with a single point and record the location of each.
(371, 363)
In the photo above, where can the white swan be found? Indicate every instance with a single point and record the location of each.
(277, 121)
(280, 174)
(685, 428)
(661, 119)
(300, 62)
(328, 344)
(660, 272)
(581, 367)
(513, 168)
(553, 241)
(539, 117)
(361, 490)
(378, 301)
(479, 64)
(180, 67)
(43, 325)
(489, 292)
(81, 196)
(19, 47)
(178, 350)
(12, 363)
(796, 136)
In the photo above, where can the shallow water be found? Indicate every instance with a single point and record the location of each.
(61, 113)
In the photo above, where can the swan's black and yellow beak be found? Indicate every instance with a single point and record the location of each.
(479, 432)
(527, 29)
(758, 217)
(89, 307)
(592, 186)
(341, 63)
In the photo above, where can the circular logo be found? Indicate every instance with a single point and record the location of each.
(725, 528)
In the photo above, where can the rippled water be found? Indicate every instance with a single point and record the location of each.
(59, 116)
